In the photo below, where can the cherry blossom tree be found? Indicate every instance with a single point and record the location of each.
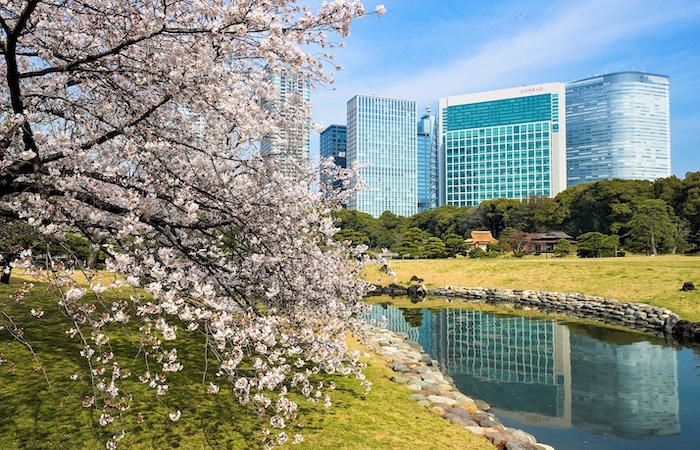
(135, 124)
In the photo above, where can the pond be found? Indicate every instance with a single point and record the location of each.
(571, 385)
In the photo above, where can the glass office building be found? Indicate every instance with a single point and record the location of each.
(427, 162)
(618, 126)
(509, 143)
(382, 142)
(334, 144)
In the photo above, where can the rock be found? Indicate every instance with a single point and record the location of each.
(540, 446)
(459, 412)
(442, 400)
(517, 444)
(467, 407)
(438, 410)
(401, 368)
(475, 429)
(417, 291)
(490, 423)
(498, 439)
(520, 435)
(688, 286)
(478, 417)
(394, 290)
(459, 420)
(482, 405)
(687, 331)
(400, 380)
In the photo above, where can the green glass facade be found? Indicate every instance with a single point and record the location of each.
(537, 108)
(507, 147)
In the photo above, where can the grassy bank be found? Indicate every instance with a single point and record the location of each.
(34, 415)
(653, 280)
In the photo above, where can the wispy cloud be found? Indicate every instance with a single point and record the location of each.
(455, 47)
(566, 36)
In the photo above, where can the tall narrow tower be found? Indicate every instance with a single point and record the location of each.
(427, 162)
(288, 145)
(382, 142)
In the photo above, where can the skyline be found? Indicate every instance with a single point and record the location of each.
(421, 53)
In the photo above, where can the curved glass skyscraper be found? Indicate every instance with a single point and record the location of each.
(618, 126)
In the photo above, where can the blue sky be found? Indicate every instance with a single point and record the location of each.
(424, 50)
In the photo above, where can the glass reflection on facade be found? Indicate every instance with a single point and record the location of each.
(334, 144)
(618, 126)
(509, 143)
(638, 383)
(427, 162)
(541, 372)
(382, 141)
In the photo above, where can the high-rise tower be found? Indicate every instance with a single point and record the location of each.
(508, 143)
(382, 141)
(334, 144)
(618, 126)
(288, 146)
(427, 162)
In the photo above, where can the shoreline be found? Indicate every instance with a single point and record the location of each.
(430, 388)
(635, 316)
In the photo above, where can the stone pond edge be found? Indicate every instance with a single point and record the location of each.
(636, 316)
(432, 389)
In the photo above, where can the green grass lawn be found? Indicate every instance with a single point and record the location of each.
(34, 415)
(653, 280)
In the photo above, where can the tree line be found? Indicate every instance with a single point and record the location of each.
(661, 216)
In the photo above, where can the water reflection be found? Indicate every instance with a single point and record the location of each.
(545, 373)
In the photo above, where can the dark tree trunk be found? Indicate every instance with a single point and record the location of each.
(5, 275)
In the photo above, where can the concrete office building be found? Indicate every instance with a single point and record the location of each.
(382, 141)
(509, 143)
(288, 146)
(618, 126)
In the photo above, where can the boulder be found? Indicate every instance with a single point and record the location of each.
(686, 331)
(417, 291)
(516, 444)
(688, 286)
(395, 290)
(669, 323)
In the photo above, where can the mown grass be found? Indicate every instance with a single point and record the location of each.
(36, 415)
(653, 280)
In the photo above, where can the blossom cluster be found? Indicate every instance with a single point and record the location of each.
(141, 135)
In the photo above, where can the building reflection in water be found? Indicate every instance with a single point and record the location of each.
(540, 372)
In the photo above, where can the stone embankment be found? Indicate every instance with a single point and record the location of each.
(638, 316)
(632, 315)
(428, 386)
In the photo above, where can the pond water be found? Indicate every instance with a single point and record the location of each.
(571, 385)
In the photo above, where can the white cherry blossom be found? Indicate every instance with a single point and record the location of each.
(142, 135)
